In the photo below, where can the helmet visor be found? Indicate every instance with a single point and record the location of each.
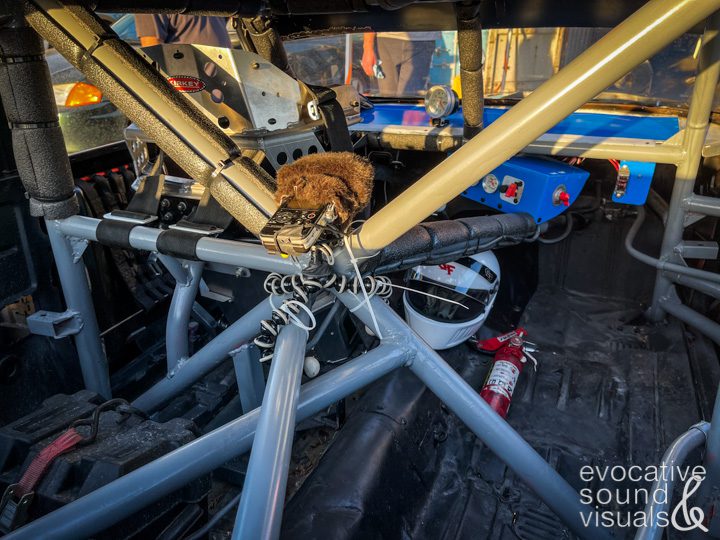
(442, 303)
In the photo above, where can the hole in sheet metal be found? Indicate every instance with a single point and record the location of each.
(210, 69)
(217, 95)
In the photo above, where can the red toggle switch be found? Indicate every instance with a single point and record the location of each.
(564, 198)
(511, 190)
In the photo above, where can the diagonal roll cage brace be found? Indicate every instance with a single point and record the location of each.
(187, 136)
(211, 158)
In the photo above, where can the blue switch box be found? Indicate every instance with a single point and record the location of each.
(638, 185)
(534, 185)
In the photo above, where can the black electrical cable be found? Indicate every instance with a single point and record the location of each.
(596, 202)
(202, 531)
(563, 236)
(118, 404)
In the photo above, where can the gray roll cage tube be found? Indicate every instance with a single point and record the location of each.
(200, 148)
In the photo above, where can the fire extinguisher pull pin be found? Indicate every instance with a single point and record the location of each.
(531, 357)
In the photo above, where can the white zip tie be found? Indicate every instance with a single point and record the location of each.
(428, 294)
(294, 319)
(362, 286)
(361, 304)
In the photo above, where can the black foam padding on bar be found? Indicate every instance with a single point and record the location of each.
(114, 233)
(267, 42)
(29, 103)
(473, 102)
(444, 241)
(44, 168)
(179, 244)
(469, 32)
(30, 86)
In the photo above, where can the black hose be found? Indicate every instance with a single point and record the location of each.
(202, 531)
(563, 236)
(664, 266)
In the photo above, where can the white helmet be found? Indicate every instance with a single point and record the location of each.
(471, 281)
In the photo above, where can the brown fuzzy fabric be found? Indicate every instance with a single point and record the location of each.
(342, 178)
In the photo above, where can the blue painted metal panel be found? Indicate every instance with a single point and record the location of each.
(540, 178)
(578, 123)
(544, 176)
(638, 185)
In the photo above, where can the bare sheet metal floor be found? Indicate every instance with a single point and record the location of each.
(609, 390)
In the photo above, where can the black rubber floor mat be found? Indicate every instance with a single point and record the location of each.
(607, 391)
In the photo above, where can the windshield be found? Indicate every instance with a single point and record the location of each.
(124, 27)
(406, 64)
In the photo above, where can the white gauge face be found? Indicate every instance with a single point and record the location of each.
(440, 101)
(490, 183)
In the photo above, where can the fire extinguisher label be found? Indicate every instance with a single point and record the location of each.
(503, 378)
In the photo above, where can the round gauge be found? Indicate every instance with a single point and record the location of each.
(440, 101)
(490, 183)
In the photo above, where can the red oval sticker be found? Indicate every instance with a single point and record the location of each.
(186, 83)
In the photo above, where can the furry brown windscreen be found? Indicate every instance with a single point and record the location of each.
(342, 178)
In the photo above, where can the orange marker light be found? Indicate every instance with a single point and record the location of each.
(83, 94)
(76, 94)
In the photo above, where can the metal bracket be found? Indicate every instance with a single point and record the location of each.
(249, 374)
(78, 245)
(196, 228)
(221, 166)
(313, 110)
(207, 292)
(290, 147)
(691, 218)
(129, 216)
(203, 316)
(13, 509)
(633, 183)
(55, 325)
(697, 249)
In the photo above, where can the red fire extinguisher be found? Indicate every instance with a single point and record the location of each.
(500, 384)
(496, 343)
